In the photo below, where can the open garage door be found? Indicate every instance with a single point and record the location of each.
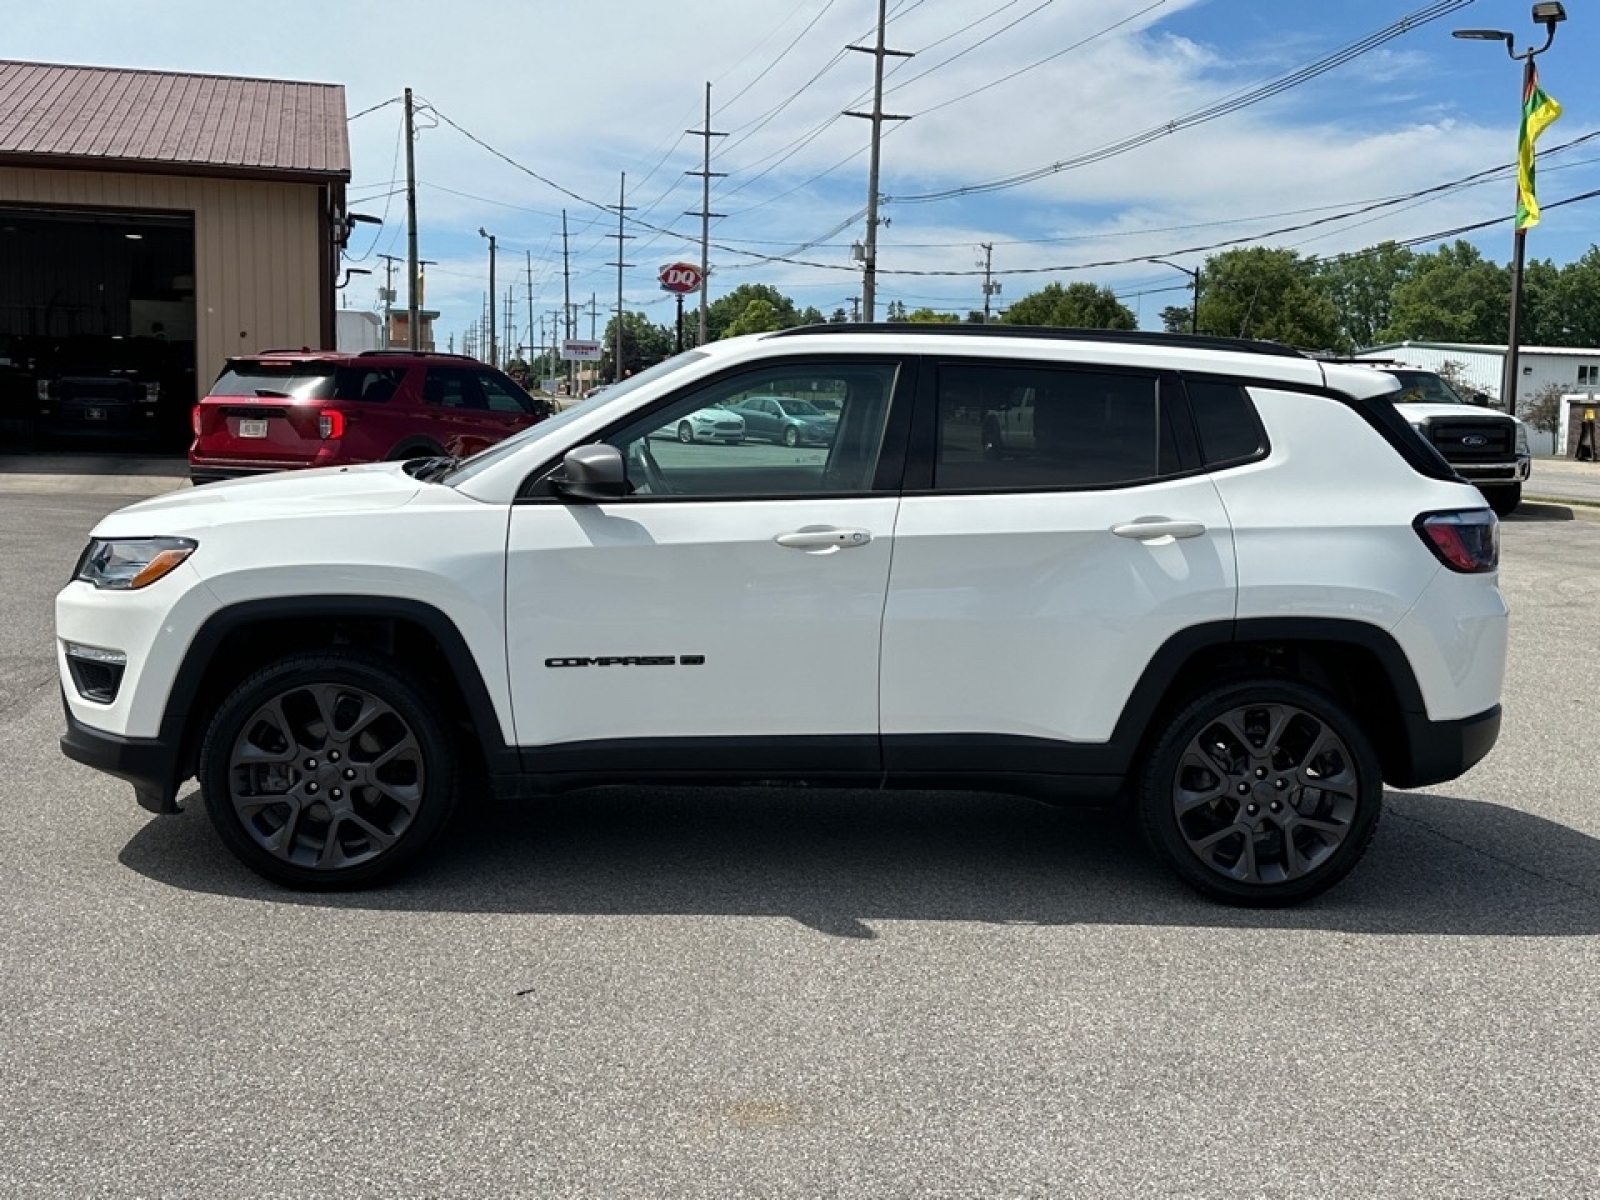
(97, 328)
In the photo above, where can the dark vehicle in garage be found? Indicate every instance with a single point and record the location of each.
(107, 387)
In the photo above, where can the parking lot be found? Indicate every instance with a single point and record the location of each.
(704, 993)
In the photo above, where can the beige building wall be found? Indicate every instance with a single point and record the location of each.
(256, 253)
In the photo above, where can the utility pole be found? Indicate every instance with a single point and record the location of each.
(855, 309)
(594, 314)
(509, 326)
(389, 261)
(705, 214)
(412, 306)
(530, 303)
(623, 208)
(990, 287)
(566, 305)
(869, 277)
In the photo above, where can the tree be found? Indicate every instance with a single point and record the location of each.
(643, 345)
(1176, 319)
(1258, 292)
(1361, 287)
(896, 311)
(1076, 306)
(1574, 304)
(839, 317)
(812, 316)
(758, 317)
(927, 316)
(1542, 410)
(1454, 295)
(725, 310)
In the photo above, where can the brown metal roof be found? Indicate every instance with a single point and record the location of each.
(102, 117)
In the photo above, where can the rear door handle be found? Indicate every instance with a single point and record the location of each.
(825, 539)
(1155, 529)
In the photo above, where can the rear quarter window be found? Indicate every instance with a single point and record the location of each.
(1225, 417)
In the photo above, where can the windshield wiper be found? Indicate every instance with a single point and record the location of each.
(428, 469)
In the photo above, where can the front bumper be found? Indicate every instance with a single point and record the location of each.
(149, 764)
(1492, 473)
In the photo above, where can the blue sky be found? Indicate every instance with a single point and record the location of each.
(579, 93)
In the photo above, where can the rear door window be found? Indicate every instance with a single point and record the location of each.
(503, 396)
(451, 387)
(1004, 426)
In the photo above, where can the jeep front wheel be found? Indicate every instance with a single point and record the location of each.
(325, 771)
(1261, 793)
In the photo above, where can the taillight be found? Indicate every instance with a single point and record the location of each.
(1468, 542)
(194, 420)
(330, 424)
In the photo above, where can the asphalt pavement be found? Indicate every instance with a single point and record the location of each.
(778, 993)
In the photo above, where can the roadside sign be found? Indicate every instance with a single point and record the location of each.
(573, 350)
(680, 278)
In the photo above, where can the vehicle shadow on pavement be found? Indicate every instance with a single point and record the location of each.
(839, 861)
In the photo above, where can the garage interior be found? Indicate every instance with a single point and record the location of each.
(97, 303)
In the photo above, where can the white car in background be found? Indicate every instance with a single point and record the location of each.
(707, 425)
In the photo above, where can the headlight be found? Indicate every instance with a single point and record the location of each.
(129, 563)
(1522, 440)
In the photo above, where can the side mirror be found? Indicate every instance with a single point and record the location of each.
(1481, 399)
(594, 473)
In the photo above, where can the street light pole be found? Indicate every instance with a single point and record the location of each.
(1194, 274)
(1549, 14)
(482, 232)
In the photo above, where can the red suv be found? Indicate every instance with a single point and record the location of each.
(304, 408)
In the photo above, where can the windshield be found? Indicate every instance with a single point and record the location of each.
(471, 466)
(1424, 387)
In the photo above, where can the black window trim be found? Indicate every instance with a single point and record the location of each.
(887, 478)
(1223, 464)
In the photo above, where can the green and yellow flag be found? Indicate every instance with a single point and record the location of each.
(1538, 111)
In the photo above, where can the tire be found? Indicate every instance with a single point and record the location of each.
(1503, 500)
(415, 450)
(1277, 739)
(327, 771)
(791, 437)
(685, 432)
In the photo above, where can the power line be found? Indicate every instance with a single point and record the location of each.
(1222, 108)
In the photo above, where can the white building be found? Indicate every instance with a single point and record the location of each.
(1572, 369)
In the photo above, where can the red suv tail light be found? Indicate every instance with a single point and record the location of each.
(195, 421)
(1468, 542)
(330, 424)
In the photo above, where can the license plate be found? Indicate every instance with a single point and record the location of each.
(253, 429)
(94, 414)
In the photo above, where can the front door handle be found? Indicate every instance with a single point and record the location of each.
(1158, 529)
(824, 539)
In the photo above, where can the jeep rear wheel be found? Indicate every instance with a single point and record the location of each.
(326, 771)
(1262, 793)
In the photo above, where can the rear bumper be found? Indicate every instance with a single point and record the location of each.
(1441, 750)
(149, 764)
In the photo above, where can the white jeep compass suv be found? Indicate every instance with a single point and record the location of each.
(1215, 580)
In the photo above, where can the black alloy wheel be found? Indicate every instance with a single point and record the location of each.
(328, 770)
(1261, 793)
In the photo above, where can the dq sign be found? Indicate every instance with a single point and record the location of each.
(680, 278)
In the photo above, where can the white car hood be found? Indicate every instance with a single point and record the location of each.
(1420, 411)
(331, 490)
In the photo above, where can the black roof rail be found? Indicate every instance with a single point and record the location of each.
(420, 354)
(1135, 337)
